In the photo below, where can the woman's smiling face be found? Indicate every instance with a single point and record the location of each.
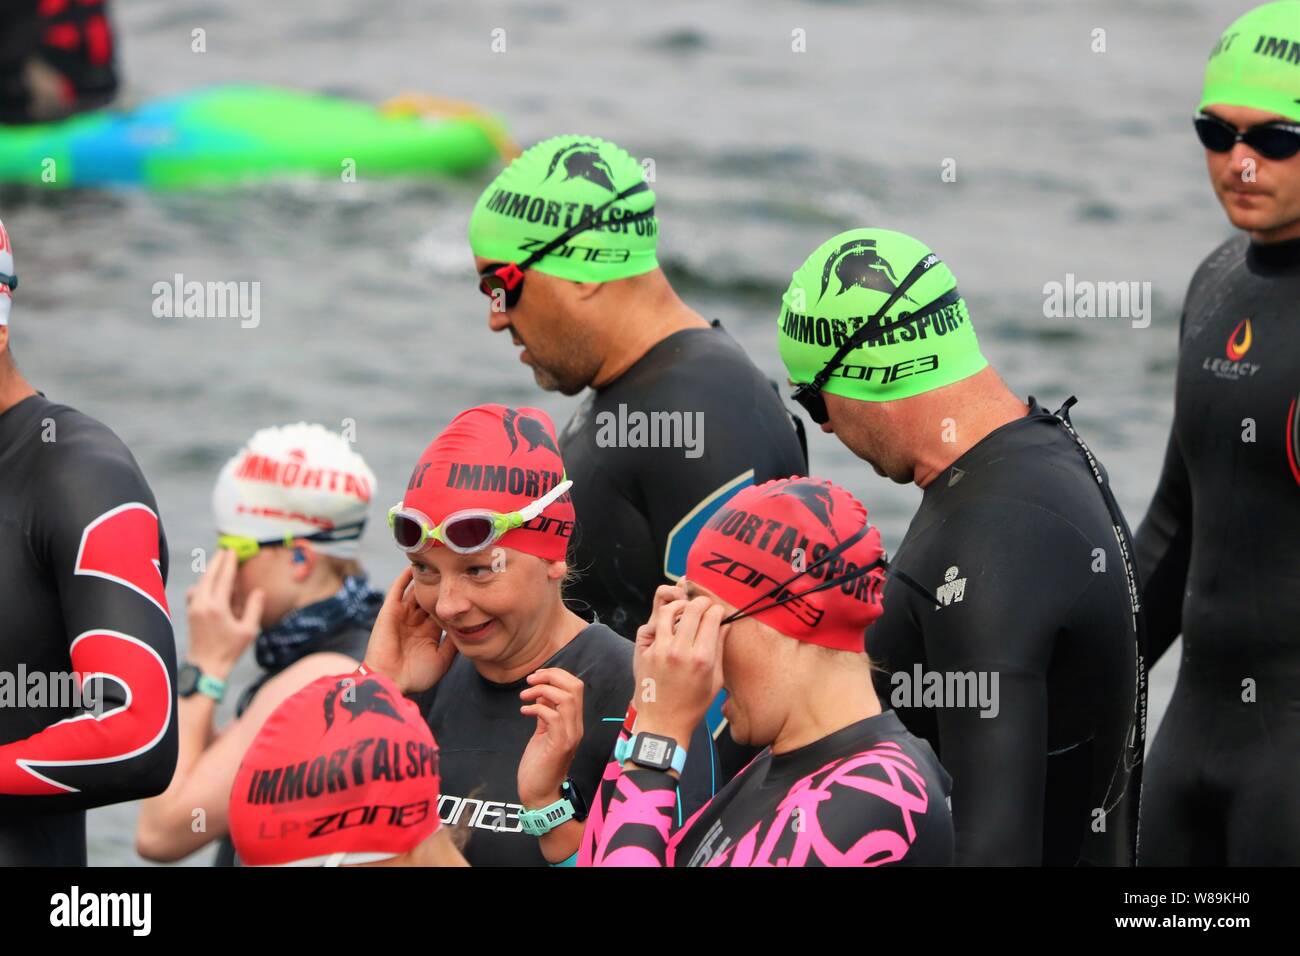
(489, 603)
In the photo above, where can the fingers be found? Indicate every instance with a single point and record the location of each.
(223, 576)
(398, 589)
(549, 719)
(665, 594)
(251, 619)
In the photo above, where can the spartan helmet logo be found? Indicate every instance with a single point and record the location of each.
(531, 429)
(369, 697)
(582, 160)
(857, 263)
(816, 498)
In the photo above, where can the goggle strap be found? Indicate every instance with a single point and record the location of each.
(835, 552)
(587, 222)
(872, 327)
(544, 502)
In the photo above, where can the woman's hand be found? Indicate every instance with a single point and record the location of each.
(406, 644)
(681, 667)
(554, 697)
(217, 637)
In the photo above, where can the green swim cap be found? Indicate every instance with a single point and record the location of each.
(1256, 62)
(547, 190)
(847, 280)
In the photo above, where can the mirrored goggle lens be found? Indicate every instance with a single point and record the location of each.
(468, 534)
(407, 532)
(1214, 135)
(1273, 143)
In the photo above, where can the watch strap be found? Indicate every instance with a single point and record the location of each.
(210, 686)
(624, 749)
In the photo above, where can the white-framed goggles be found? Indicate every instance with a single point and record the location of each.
(465, 532)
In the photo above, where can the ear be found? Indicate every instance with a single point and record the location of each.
(302, 560)
(556, 570)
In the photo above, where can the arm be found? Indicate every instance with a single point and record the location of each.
(98, 533)
(1163, 543)
(998, 764)
(167, 828)
(1164, 550)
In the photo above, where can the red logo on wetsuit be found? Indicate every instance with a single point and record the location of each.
(1239, 341)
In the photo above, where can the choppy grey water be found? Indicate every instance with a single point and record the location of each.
(1067, 161)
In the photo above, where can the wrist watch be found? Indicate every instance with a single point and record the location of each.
(652, 751)
(570, 806)
(191, 681)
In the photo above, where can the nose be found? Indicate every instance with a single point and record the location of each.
(451, 601)
(828, 428)
(498, 318)
(1243, 158)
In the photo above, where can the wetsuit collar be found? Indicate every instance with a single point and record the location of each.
(1273, 256)
(787, 767)
(976, 453)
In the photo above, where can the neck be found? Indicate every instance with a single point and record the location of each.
(13, 387)
(951, 421)
(326, 587)
(558, 628)
(832, 696)
(648, 311)
(1283, 233)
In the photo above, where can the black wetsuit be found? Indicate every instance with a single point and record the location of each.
(1219, 553)
(1019, 546)
(481, 737)
(868, 795)
(83, 567)
(639, 507)
(350, 640)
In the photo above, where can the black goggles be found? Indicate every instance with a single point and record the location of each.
(1275, 140)
(782, 595)
(508, 277)
(809, 394)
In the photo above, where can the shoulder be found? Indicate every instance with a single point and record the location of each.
(80, 453)
(295, 677)
(601, 647)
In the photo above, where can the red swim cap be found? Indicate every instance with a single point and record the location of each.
(501, 459)
(768, 533)
(344, 771)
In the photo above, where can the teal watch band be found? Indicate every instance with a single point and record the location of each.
(543, 821)
(211, 687)
(624, 749)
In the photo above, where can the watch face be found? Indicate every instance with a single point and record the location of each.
(187, 681)
(652, 751)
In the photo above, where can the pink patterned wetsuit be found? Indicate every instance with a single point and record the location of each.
(867, 795)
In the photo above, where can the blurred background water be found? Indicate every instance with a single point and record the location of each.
(1067, 161)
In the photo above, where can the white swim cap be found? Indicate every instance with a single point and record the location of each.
(300, 480)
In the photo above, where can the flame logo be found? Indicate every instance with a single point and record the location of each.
(1239, 341)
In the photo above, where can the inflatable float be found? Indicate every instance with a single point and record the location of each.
(232, 134)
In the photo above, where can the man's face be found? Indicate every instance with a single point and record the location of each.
(1259, 195)
(864, 429)
(562, 358)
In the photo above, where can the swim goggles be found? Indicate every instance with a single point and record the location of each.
(1274, 140)
(246, 547)
(509, 276)
(809, 394)
(465, 532)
